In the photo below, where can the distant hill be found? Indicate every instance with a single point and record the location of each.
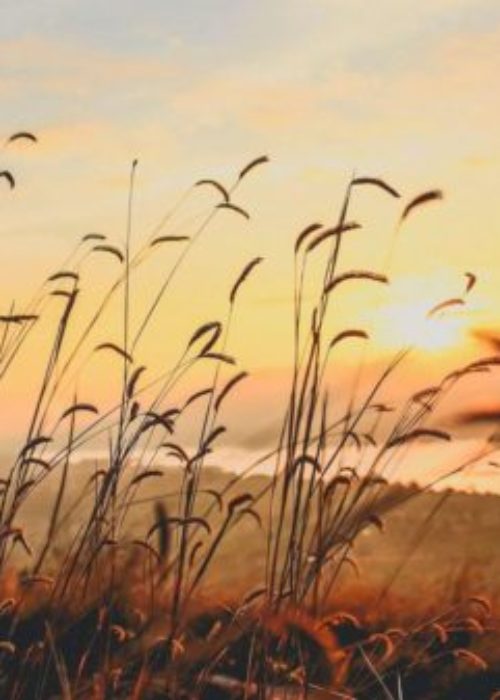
(433, 542)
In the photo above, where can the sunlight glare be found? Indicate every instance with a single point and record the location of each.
(408, 325)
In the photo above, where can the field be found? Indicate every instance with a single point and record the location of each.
(434, 555)
(441, 541)
(123, 577)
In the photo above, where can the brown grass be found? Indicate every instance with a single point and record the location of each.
(101, 610)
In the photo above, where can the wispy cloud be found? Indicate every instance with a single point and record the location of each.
(194, 88)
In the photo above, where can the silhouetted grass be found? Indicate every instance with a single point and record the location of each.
(110, 614)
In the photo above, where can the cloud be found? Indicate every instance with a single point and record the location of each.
(309, 97)
(325, 78)
(63, 69)
(406, 93)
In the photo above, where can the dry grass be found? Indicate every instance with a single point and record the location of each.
(102, 609)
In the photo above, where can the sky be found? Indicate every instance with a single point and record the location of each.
(408, 92)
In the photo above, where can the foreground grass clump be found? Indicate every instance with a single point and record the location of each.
(109, 604)
(111, 646)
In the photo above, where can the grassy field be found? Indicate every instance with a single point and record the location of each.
(440, 541)
(123, 578)
(434, 554)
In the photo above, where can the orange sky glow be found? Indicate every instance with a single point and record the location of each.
(410, 97)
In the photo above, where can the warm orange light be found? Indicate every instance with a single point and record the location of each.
(408, 324)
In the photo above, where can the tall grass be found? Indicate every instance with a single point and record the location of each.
(115, 616)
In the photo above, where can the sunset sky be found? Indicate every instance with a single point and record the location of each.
(405, 91)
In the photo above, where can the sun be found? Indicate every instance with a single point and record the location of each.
(407, 324)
